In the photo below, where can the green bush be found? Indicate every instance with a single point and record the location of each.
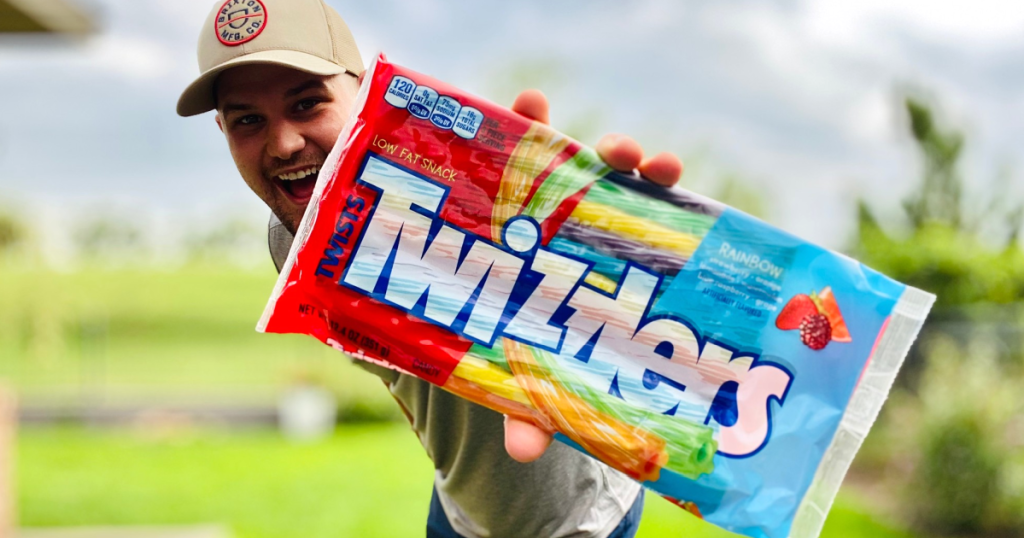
(953, 485)
(953, 264)
(960, 482)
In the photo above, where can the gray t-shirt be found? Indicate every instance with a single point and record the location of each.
(484, 492)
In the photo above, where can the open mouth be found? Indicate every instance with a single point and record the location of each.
(298, 185)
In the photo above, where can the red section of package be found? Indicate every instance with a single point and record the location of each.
(350, 320)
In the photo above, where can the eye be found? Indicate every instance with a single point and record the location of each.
(249, 119)
(307, 104)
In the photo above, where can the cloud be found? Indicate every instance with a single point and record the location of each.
(130, 58)
(980, 23)
(796, 95)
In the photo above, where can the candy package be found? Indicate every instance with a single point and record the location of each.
(723, 363)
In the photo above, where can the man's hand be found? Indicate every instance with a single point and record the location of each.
(524, 441)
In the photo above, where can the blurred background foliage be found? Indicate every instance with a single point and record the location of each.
(947, 457)
(962, 256)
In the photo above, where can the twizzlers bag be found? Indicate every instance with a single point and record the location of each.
(723, 363)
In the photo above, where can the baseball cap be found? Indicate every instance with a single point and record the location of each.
(307, 35)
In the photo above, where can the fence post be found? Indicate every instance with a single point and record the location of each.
(8, 438)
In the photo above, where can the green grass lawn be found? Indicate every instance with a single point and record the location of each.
(367, 481)
(146, 336)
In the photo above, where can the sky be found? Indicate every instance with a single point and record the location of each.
(798, 99)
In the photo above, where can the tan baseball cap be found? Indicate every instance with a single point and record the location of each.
(307, 35)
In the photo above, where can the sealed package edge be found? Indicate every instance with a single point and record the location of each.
(725, 364)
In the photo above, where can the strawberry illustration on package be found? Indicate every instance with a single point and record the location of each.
(818, 318)
(723, 363)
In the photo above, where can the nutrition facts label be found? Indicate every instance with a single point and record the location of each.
(443, 111)
(423, 101)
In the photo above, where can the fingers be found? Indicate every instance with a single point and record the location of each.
(523, 441)
(664, 169)
(620, 152)
(532, 104)
(625, 155)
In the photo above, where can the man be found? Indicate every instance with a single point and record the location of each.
(282, 76)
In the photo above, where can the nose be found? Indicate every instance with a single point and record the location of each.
(284, 140)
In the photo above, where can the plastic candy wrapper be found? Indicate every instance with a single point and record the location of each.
(723, 363)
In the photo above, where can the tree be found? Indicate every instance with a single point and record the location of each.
(940, 196)
(946, 250)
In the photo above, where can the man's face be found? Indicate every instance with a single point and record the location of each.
(280, 124)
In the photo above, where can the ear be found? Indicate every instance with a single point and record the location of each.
(220, 124)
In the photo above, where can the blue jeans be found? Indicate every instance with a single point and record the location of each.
(439, 527)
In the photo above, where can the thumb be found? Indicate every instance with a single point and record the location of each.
(525, 442)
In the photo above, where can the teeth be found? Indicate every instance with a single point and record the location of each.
(299, 175)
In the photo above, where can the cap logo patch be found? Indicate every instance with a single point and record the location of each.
(240, 21)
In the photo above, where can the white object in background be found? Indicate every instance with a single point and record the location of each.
(307, 412)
